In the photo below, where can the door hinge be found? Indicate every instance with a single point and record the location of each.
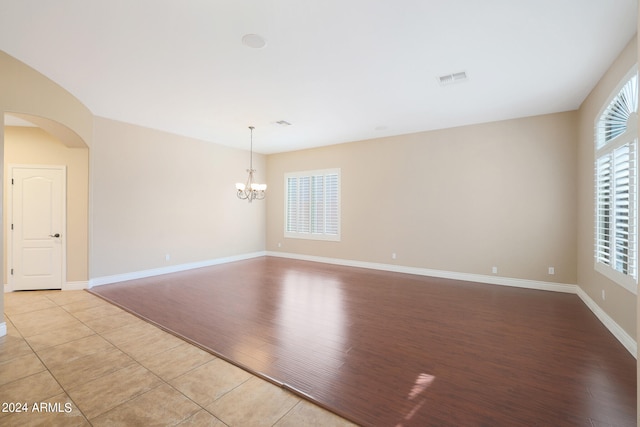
(12, 271)
(11, 181)
(12, 226)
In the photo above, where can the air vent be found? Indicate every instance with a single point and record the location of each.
(453, 78)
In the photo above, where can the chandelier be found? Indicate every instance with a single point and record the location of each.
(251, 190)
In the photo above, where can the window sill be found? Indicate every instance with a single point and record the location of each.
(311, 236)
(627, 282)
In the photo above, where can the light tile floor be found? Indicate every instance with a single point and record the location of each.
(71, 359)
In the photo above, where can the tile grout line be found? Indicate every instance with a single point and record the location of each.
(64, 390)
(289, 411)
(260, 377)
(104, 375)
(147, 321)
(136, 361)
(139, 363)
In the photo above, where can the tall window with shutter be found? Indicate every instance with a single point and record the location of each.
(616, 186)
(312, 205)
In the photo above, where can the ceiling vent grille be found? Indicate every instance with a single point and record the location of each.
(453, 78)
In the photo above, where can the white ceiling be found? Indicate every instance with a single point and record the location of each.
(338, 70)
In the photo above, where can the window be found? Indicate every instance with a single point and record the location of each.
(616, 186)
(312, 205)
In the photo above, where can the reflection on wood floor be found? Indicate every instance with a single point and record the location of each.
(390, 349)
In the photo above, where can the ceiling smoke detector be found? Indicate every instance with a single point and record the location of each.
(453, 78)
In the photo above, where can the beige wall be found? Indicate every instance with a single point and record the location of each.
(620, 304)
(28, 145)
(156, 193)
(461, 200)
(464, 199)
(24, 90)
(150, 193)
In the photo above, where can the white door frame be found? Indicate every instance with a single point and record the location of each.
(9, 215)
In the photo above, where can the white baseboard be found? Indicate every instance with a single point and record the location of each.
(75, 286)
(481, 278)
(625, 339)
(105, 280)
(3, 329)
(69, 286)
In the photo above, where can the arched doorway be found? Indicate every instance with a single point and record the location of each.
(37, 141)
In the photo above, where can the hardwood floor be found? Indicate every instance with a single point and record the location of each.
(389, 349)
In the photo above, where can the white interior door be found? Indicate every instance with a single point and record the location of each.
(37, 227)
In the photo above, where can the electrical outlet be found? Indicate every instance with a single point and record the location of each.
(552, 270)
(604, 297)
(494, 270)
(393, 256)
(167, 257)
(279, 244)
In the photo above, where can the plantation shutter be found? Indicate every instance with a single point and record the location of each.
(624, 218)
(616, 179)
(291, 224)
(312, 206)
(317, 211)
(332, 204)
(613, 121)
(603, 209)
(304, 204)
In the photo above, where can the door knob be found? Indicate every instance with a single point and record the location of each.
(54, 235)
